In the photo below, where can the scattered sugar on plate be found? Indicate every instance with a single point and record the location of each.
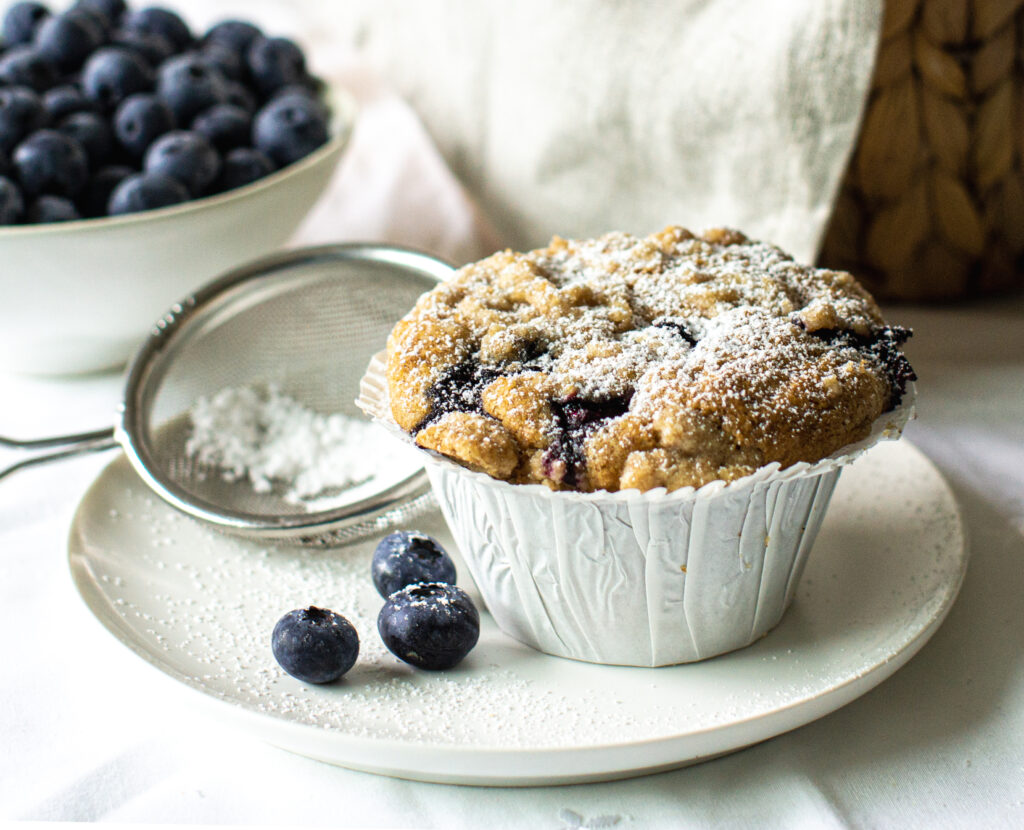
(260, 434)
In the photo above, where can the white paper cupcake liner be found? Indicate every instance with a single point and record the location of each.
(636, 578)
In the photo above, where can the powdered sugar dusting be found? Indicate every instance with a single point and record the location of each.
(721, 353)
(263, 436)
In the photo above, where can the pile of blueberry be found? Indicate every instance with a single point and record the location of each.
(105, 110)
(426, 620)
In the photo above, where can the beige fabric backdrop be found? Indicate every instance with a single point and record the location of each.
(583, 116)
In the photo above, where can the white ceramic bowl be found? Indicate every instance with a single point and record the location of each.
(79, 296)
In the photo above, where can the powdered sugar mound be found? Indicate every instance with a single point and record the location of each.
(263, 435)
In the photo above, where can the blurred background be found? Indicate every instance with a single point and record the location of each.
(885, 137)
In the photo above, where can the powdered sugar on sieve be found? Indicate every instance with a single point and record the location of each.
(261, 434)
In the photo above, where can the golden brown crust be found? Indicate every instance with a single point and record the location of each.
(619, 362)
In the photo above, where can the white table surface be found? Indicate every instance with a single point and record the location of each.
(91, 733)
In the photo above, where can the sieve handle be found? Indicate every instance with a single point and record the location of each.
(42, 450)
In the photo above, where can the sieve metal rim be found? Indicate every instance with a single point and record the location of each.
(143, 374)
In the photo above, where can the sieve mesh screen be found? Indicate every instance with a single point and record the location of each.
(309, 325)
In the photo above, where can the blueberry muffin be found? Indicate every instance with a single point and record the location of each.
(624, 362)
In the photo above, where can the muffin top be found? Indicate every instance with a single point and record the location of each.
(625, 362)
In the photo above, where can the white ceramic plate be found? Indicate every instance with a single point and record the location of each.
(200, 607)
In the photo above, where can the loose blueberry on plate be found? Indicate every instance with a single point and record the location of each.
(407, 557)
(12, 205)
(225, 126)
(186, 156)
(140, 120)
(190, 85)
(243, 166)
(21, 113)
(430, 625)
(112, 74)
(50, 162)
(25, 66)
(315, 645)
(51, 209)
(289, 128)
(146, 191)
(21, 21)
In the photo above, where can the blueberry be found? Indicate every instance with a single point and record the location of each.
(152, 48)
(431, 625)
(5, 163)
(146, 191)
(112, 74)
(140, 120)
(314, 644)
(226, 126)
(62, 101)
(52, 163)
(275, 62)
(66, 40)
(237, 35)
(159, 21)
(224, 59)
(93, 133)
(21, 113)
(458, 389)
(189, 85)
(243, 166)
(679, 327)
(48, 209)
(186, 156)
(94, 199)
(12, 205)
(98, 19)
(25, 66)
(111, 10)
(289, 128)
(304, 93)
(239, 95)
(575, 418)
(21, 21)
(406, 557)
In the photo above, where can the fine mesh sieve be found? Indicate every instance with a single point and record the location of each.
(306, 321)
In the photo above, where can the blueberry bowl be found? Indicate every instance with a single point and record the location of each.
(80, 295)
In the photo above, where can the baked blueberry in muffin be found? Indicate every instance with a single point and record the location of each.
(624, 362)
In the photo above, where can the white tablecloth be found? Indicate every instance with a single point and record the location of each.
(91, 733)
